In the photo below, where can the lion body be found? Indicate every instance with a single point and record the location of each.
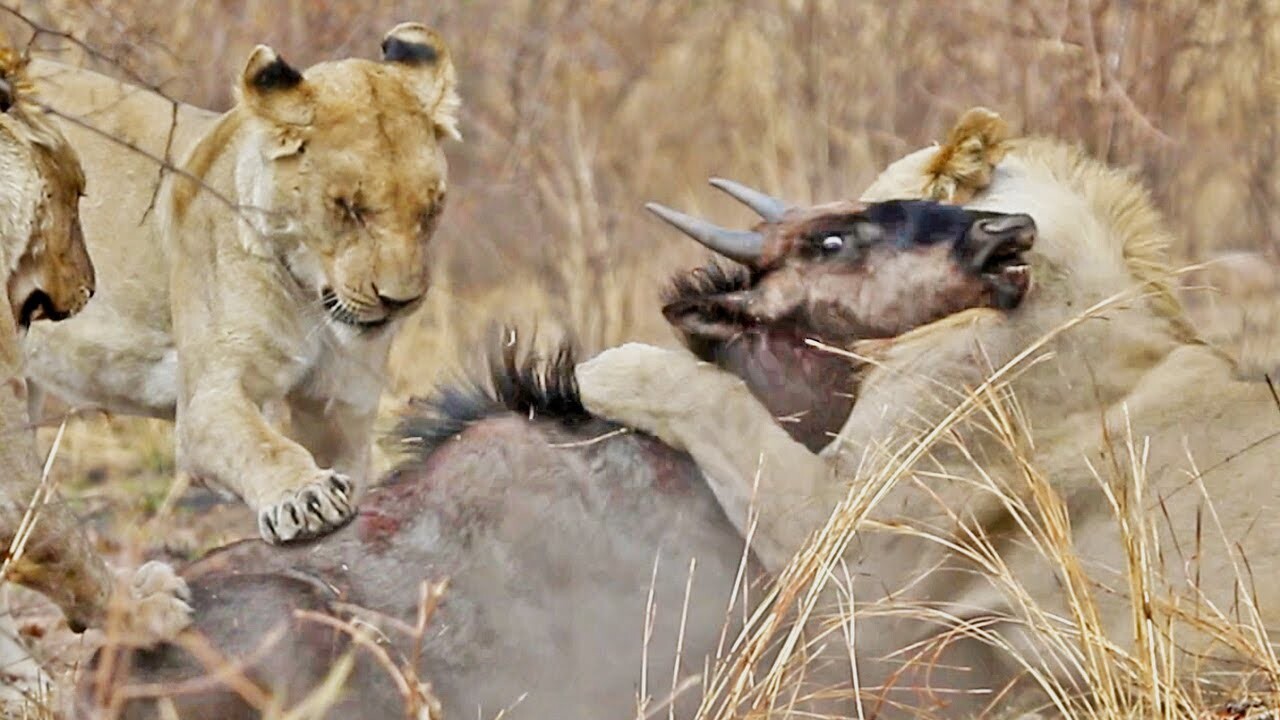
(1124, 401)
(252, 299)
(119, 352)
(40, 249)
(43, 255)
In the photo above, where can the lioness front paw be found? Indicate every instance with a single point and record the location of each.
(637, 385)
(156, 605)
(313, 509)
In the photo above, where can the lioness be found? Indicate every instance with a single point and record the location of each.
(1126, 397)
(548, 522)
(295, 240)
(47, 275)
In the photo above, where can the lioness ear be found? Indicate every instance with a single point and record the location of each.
(273, 89)
(424, 59)
(13, 67)
(963, 165)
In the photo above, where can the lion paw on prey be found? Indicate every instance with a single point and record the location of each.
(155, 605)
(625, 383)
(313, 509)
(648, 387)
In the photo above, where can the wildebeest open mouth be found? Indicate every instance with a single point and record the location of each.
(999, 244)
(339, 311)
(38, 306)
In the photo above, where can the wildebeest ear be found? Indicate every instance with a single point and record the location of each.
(422, 55)
(273, 89)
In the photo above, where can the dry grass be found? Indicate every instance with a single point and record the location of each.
(575, 113)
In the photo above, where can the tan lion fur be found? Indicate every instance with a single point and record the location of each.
(1132, 374)
(331, 179)
(41, 248)
(59, 562)
(117, 130)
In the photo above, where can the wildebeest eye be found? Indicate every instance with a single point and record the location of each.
(832, 244)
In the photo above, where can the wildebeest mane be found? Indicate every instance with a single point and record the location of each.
(510, 381)
(713, 278)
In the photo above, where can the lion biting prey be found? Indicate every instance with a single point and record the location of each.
(296, 239)
(1106, 412)
(45, 276)
(558, 531)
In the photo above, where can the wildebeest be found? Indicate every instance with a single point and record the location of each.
(561, 533)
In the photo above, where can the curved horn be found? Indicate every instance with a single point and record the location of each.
(743, 246)
(768, 207)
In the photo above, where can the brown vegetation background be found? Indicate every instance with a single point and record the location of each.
(576, 112)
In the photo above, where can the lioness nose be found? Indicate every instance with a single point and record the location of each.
(391, 303)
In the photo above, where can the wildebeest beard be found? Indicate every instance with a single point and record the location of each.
(810, 389)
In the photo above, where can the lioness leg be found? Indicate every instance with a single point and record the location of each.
(224, 438)
(100, 358)
(752, 464)
(20, 675)
(336, 433)
(57, 559)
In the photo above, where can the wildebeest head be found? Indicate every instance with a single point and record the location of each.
(836, 273)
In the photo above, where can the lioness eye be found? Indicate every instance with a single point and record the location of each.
(350, 210)
(832, 243)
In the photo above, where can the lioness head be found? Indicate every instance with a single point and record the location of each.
(43, 262)
(348, 165)
(837, 273)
